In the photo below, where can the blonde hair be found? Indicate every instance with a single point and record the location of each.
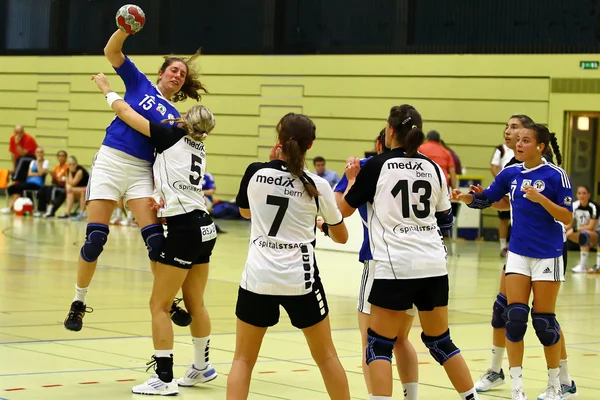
(199, 121)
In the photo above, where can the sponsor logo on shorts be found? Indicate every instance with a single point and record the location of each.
(547, 270)
(182, 262)
(183, 185)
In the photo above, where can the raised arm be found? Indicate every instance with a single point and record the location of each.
(114, 48)
(121, 108)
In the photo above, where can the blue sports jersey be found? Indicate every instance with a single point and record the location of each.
(208, 183)
(365, 250)
(144, 97)
(535, 233)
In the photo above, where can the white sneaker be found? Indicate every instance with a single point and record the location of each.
(579, 269)
(490, 380)
(194, 376)
(37, 214)
(155, 386)
(551, 393)
(5, 210)
(518, 394)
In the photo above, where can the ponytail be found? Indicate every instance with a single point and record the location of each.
(555, 148)
(295, 164)
(199, 121)
(414, 139)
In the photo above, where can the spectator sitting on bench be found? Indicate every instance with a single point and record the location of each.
(22, 151)
(36, 176)
(77, 180)
(51, 197)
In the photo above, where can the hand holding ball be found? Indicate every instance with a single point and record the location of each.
(130, 19)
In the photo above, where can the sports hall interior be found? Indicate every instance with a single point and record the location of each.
(468, 98)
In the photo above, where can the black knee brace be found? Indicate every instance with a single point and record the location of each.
(154, 238)
(546, 328)
(499, 312)
(516, 326)
(379, 347)
(96, 236)
(440, 347)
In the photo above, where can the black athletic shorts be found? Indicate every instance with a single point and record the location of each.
(400, 294)
(190, 240)
(262, 310)
(504, 215)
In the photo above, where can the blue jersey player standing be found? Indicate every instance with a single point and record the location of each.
(541, 199)
(406, 356)
(122, 168)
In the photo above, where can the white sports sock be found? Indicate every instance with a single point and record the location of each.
(497, 358)
(565, 377)
(163, 353)
(118, 214)
(411, 390)
(598, 258)
(583, 256)
(201, 350)
(80, 294)
(371, 397)
(469, 395)
(502, 244)
(553, 374)
(516, 374)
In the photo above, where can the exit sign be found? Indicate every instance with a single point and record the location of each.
(589, 64)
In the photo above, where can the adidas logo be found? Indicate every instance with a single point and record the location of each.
(514, 182)
(547, 270)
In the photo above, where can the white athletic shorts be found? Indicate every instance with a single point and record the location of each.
(539, 269)
(366, 284)
(115, 174)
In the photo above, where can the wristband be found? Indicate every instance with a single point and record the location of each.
(325, 228)
(112, 97)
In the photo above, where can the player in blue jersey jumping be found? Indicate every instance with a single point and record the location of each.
(406, 356)
(541, 200)
(123, 165)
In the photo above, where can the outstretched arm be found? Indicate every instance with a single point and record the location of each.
(121, 108)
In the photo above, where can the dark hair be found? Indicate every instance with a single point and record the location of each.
(192, 85)
(543, 135)
(407, 123)
(585, 187)
(318, 159)
(381, 139)
(523, 119)
(296, 133)
(63, 152)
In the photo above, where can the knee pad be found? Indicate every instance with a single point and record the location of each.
(154, 238)
(96, 236)
(516, 324)
(379, 347)
(499, 312)
(584, 238)
(441, 347)
(546, 328)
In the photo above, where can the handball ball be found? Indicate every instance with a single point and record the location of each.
(130, 19)
(23, 206)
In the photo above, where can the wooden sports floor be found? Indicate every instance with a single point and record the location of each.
(39, 359)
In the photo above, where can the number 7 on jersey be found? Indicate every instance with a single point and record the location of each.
(282, 203)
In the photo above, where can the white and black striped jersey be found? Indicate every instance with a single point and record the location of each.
(281, 259)
(178, 170)
(583, 214)
(405, 193)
